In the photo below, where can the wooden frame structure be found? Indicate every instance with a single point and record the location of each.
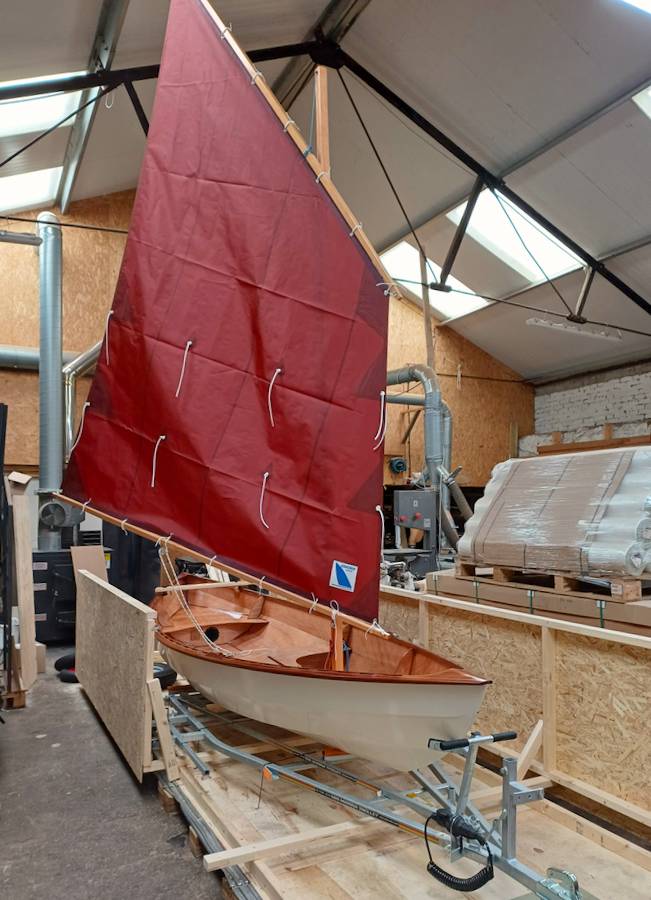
(590, 686)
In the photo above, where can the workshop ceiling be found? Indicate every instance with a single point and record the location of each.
(538, 93)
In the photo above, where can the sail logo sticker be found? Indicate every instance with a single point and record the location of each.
(343, 576)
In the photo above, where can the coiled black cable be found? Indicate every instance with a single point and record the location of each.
(473, 882)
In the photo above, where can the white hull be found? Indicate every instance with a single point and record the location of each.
(389, 723)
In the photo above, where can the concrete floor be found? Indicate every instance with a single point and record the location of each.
(74, 823)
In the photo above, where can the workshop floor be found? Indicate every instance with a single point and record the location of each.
(74, 823)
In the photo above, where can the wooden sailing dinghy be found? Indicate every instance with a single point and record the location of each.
(342, 683)
(238, 410)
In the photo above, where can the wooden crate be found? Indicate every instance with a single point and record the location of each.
(591, 686)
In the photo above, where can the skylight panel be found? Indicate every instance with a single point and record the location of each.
(29, 189)
(403, 264)
(643, 100)
(644, 5)
(490, 226)
(25, 115)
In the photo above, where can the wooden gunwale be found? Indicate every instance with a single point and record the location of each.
(467, 681)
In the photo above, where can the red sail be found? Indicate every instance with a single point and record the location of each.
(237, 398)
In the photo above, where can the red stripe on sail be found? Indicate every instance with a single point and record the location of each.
(234, 247)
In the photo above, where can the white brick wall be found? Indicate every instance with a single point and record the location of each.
(580, 407)
(625, 399)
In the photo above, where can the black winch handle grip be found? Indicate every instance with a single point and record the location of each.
(462, 743)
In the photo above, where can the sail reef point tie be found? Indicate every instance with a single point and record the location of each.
(185, 358)
(81, 425)
(271, 384)
(161, 437)
(262, 490)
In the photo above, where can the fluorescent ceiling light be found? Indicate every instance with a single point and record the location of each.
(490, 226)
(644, 5)
(29, 189)
(605, 334)
(402, 262)
(25, 115)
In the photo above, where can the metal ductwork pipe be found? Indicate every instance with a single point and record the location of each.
(26, 358)
(80, 365)
(19, 237)
(51, 363)
(433, 408)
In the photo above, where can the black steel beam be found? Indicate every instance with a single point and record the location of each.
(116, 77)
(451, 255)
(137, 105)
(491, 180)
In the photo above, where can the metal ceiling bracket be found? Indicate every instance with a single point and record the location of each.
(577, 315)
(137, 105)
(109, 26)
(334, 22)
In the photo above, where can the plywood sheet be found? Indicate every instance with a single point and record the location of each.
(91, 559)
(114, 660)
(603, 715)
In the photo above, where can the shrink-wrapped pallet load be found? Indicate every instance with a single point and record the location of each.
(578, 513)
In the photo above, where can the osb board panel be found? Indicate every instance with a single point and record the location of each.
(507, 653)
(19, 390)
(114, 659)
(604, 715)
(91, 261)
(379, 862)
(488, 399)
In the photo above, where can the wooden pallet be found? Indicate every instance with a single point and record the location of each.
(619, 590)
(293, 844)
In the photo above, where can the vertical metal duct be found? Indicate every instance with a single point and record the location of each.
(51, 362)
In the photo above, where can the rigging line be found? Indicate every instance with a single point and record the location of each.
(54, 127)
(386, 175)
(67, 224)
(535, 261)
(417, 133)
(547, 312)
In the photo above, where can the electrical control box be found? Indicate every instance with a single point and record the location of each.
(415, 509)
